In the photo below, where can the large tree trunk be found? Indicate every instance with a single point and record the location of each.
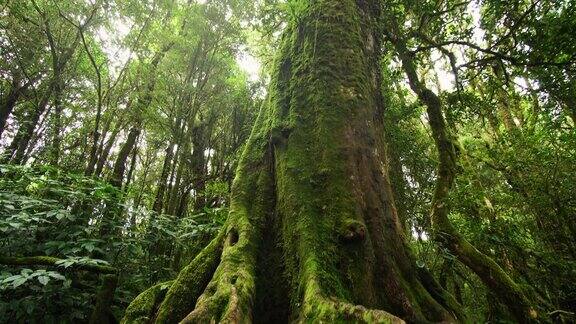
(313, 234)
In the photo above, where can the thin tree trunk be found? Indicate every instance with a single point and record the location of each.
(159, 199)
(96, 132)
(117, 176)
(106, 151)
(174, 168)
(570, 106)
(198, 165)
(38, 134)
(184, 152)
(132, 167)
(144, 179)
(9, 102)
(26, 130)
(56, 124)
(174, 197)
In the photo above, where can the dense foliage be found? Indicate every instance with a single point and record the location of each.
(122, 124)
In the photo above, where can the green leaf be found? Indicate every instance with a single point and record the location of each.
(18, 282)
(12, 278)
(15, 225)
(26, 272)
(44, 280)
(56, 275)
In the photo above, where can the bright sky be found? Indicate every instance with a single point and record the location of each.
(445, 76)
(119, 56)
(249, 64)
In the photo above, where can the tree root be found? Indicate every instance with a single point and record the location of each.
(228, 304)
(190, 283)
(142, 309)
(333, 310)
(169, 302)
(220, 308)
(228, 298)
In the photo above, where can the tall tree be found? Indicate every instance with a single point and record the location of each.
(313, 226)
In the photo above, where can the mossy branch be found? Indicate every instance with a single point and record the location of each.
(491, 274)
(53, 261)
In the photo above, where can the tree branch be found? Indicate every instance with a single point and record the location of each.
(495, 54)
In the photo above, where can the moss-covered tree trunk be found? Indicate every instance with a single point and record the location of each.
(313, 233)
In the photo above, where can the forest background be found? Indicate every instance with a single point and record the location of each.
(122, 123)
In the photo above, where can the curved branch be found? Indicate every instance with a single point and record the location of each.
(492, 275)
(495, 54)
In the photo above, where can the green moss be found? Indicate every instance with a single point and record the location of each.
(142, 308)
(102, 312)
(336, 311)
(327, 89)
(352, 230)
(191, 281)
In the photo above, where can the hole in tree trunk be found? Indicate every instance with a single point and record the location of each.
(353, 232)
(232, 237)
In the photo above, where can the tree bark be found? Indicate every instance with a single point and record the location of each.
(313, 234)
(102, 314)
